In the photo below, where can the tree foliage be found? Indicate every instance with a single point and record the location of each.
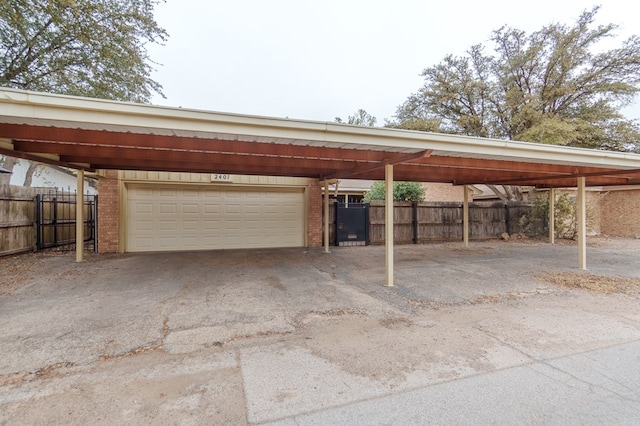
(360, 118)
(556, 85)
(92, 48)
(402, 191)
(536, 221)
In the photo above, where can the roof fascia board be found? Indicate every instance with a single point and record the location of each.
(95, 112)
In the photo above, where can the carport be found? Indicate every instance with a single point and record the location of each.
(91, 134)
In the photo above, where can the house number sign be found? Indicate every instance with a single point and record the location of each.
(221, 177)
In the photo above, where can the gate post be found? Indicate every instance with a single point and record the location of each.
(507, 218)
(414, 208)
(552, 215)
(95, 223)
(38, 200)
(465, 217)
(326, 216)
(366, 223)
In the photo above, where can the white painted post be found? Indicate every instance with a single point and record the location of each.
(465, 217)
(80, 216)
(582, 224)
(552, 215)
(388, 223)
(326, 217)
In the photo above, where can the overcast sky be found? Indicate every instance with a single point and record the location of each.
(320, 59)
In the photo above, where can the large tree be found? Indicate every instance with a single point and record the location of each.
(94, 48)
(556, 85)
(360, 118)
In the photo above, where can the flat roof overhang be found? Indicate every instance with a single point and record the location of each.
(90, 134)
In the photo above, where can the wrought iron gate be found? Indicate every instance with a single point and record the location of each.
(56, 220)
(352, 224)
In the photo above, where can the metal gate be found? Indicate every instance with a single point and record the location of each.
(352, 224)
(56, 220)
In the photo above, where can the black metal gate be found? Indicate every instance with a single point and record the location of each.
(352, 224)
(56, 220)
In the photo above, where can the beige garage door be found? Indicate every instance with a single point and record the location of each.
(172, 218)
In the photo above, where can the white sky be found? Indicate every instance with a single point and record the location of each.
(320, 59)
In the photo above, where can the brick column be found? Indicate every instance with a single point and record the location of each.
(314, 213)
(108, 212)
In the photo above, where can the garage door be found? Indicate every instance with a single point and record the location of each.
(172, 218)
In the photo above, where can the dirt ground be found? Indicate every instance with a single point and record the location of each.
(261, 336)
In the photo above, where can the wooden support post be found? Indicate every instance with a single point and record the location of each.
(581, 209)
(388, 224)
(326, 216)
(465, 217)
(552, 215)
(80, 216)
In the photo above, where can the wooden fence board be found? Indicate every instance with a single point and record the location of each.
(18, 219)
(443, 221)
(17, 216)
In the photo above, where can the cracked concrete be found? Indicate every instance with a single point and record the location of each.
(295, 336)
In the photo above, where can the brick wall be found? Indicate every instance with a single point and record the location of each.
(620, 213)
(443, 192)
(314, 213)
(108, 212)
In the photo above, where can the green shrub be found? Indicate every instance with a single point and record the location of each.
(536, 222)
(402, 191)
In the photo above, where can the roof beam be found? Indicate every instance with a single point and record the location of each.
(634, 173)
(388, 161)
(47, 160)
(68, 136)
(97, 154)
(180, 166)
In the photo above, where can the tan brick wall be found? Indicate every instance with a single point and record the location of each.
(108, 212)
(443, 192)
(314, 213)
(621, 213)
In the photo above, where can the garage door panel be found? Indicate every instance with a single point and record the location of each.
(212, 208)
(190, 209)
(167, 193)
(200, 218)
(143, 208)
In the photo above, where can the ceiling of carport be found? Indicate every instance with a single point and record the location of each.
(96, 134)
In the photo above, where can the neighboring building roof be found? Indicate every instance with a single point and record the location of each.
(94, 134)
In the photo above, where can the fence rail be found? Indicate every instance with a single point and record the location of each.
(416, 223)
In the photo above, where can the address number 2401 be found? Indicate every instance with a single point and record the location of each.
(221, 177)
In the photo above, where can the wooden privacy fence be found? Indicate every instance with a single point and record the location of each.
(416, 223)
(34, 219)
(17, 218)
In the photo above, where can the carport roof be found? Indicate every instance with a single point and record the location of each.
(90, 134)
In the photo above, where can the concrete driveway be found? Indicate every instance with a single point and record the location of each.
(294, 336)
